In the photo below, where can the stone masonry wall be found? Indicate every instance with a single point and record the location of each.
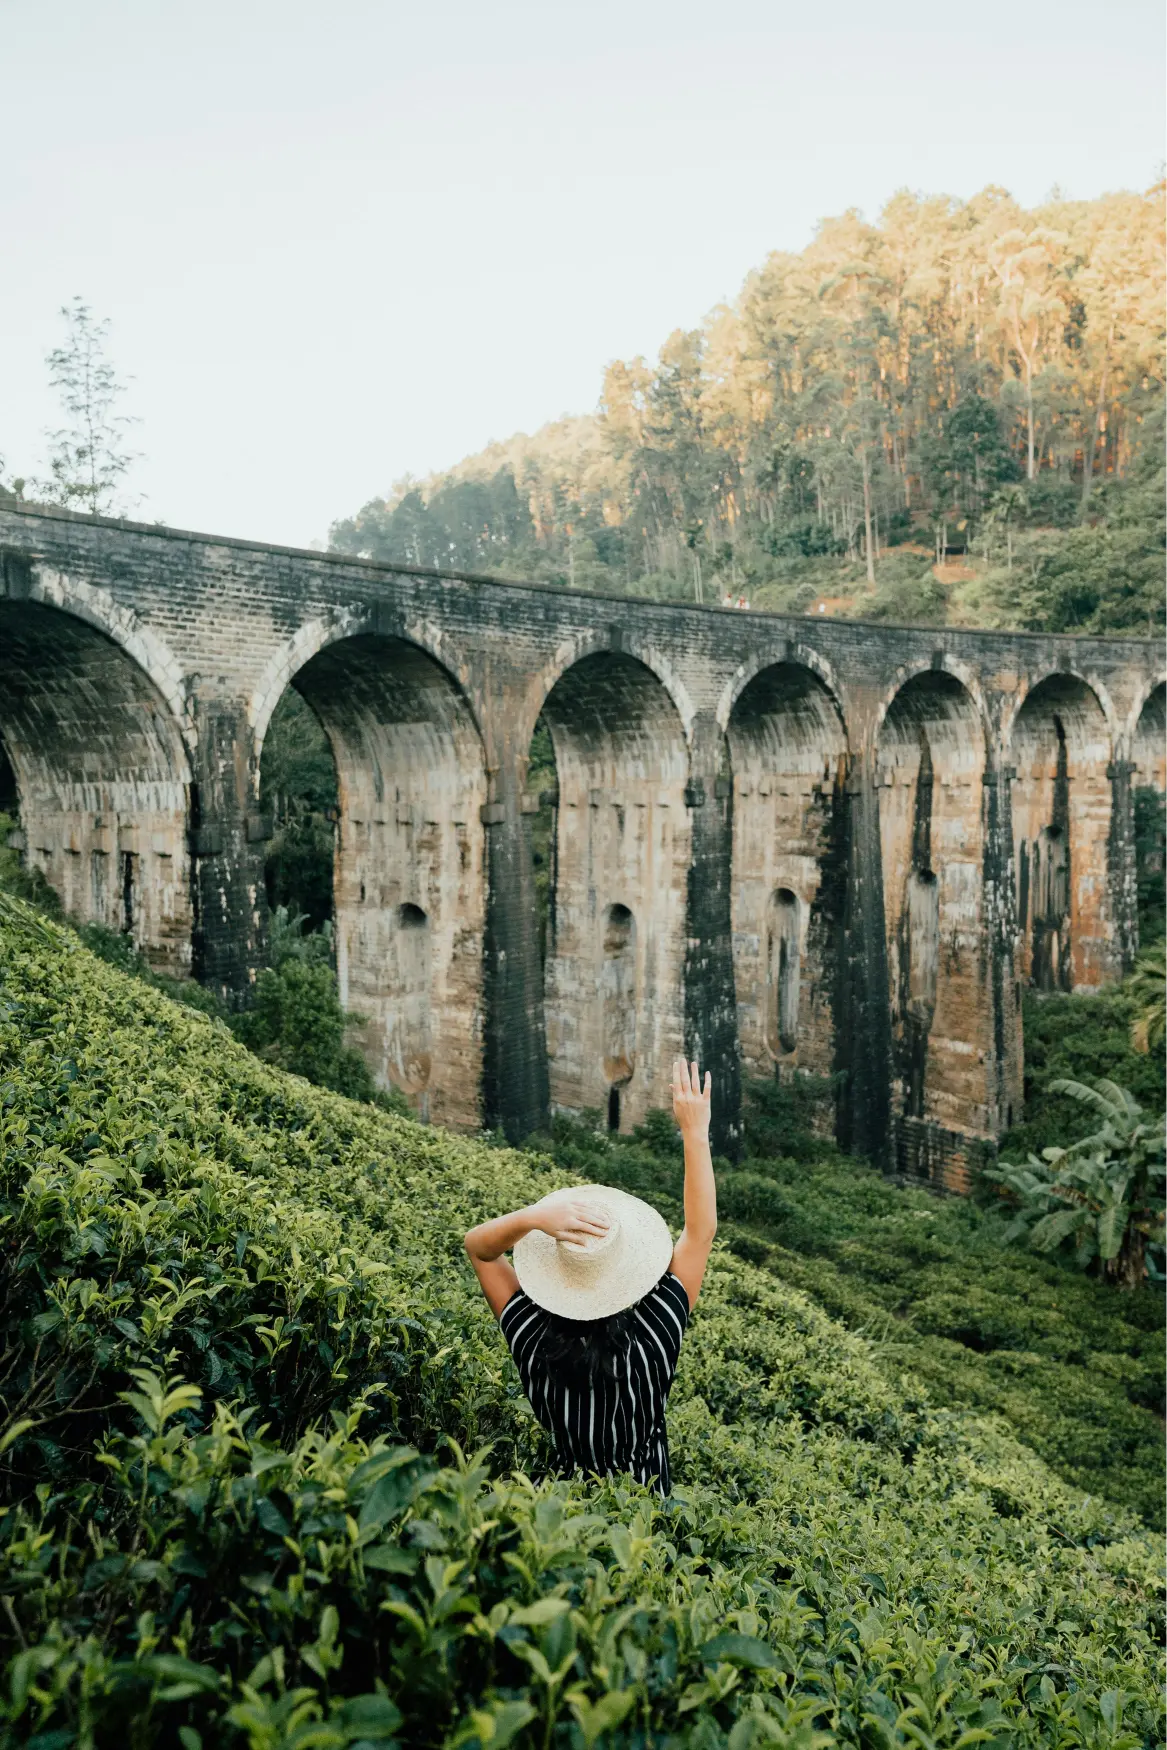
(783, 842)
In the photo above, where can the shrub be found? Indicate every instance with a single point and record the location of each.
(258, 1533)
(1103, 1193)
(1147, 988)
(1075, 1370)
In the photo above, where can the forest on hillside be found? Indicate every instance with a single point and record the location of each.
(954, 415)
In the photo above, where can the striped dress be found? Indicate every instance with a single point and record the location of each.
(608, 1424)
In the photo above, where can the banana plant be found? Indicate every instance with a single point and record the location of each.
(1104, 1193)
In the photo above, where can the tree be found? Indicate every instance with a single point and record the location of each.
(1104, 1193)
(88, 458)
(967, 365)
(1148, 988)
(1025, 265)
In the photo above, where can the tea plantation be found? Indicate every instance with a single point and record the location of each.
(268, 1478)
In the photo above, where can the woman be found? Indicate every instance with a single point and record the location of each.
(597, 1300)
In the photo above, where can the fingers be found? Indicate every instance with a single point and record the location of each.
(687, 1080)
(580, 1222)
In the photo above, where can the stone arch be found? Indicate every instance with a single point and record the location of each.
(617, 644)
(930, 754)
(788, 751)
(103, 778)
(1148, 741)
(942, 663)
(1060, 749)
(124, 627)
(409, 876)
(796, 654)
(1089, 682)
(316, 636)
(622, 842)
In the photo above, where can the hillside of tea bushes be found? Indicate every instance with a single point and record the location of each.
(268, 1475)
(1074, 1366)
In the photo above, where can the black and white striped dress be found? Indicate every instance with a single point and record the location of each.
(609, 1424)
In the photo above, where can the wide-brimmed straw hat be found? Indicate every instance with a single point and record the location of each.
(605, 1273)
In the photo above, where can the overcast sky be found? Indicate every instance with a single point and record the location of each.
(339, 243)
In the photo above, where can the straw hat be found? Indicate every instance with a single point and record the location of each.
(606, 1273)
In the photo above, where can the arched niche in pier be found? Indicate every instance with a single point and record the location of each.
(930, 760)
(92, 757)
(615, 932)
(408, 872)
(788, 751)
(1060, 752)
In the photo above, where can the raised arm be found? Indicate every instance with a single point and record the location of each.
(691, 1111)
(562, 1218)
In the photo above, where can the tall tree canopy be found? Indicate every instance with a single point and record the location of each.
(960, 378)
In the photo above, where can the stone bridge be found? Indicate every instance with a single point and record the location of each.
(780, 844)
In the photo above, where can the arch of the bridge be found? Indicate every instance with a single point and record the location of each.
(614, 978)
(102, 778)
(1060, 750)
(929, 766)
(788, 753)
(1149, 741)
(409, 880)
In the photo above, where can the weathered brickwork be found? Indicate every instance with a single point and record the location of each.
(788, 752)
(786, 845)
(409, 881)
(614, 995)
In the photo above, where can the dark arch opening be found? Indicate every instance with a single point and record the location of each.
(96, 767)
(299, 794)
(1061, 805)
(392, 785)
(930, 765)
(788, 751)
(1149, 782)
(9, 795)
(609, 767)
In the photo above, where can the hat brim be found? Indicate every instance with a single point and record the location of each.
(645, 1254)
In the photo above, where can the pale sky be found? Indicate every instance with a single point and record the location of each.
(341, 242)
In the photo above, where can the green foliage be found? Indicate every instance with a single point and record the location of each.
(87, 458)
(296, 1021)
(238, 1338)
(1150, 809)
(1074, 1370)
(1147, 990)
(856, 410)
(1073, 1038)
(1102, 1194)
(25, 883)
(298, 789)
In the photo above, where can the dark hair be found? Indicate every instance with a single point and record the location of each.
(583, 1349)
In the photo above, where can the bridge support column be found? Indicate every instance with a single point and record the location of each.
(863, 1028)
(515, 1089)
(227, 841)
(711, 1032)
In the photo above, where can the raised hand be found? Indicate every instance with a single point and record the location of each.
(691, 1101)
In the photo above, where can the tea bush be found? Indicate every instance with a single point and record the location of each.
(248, 1385)
(1074, 1367)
